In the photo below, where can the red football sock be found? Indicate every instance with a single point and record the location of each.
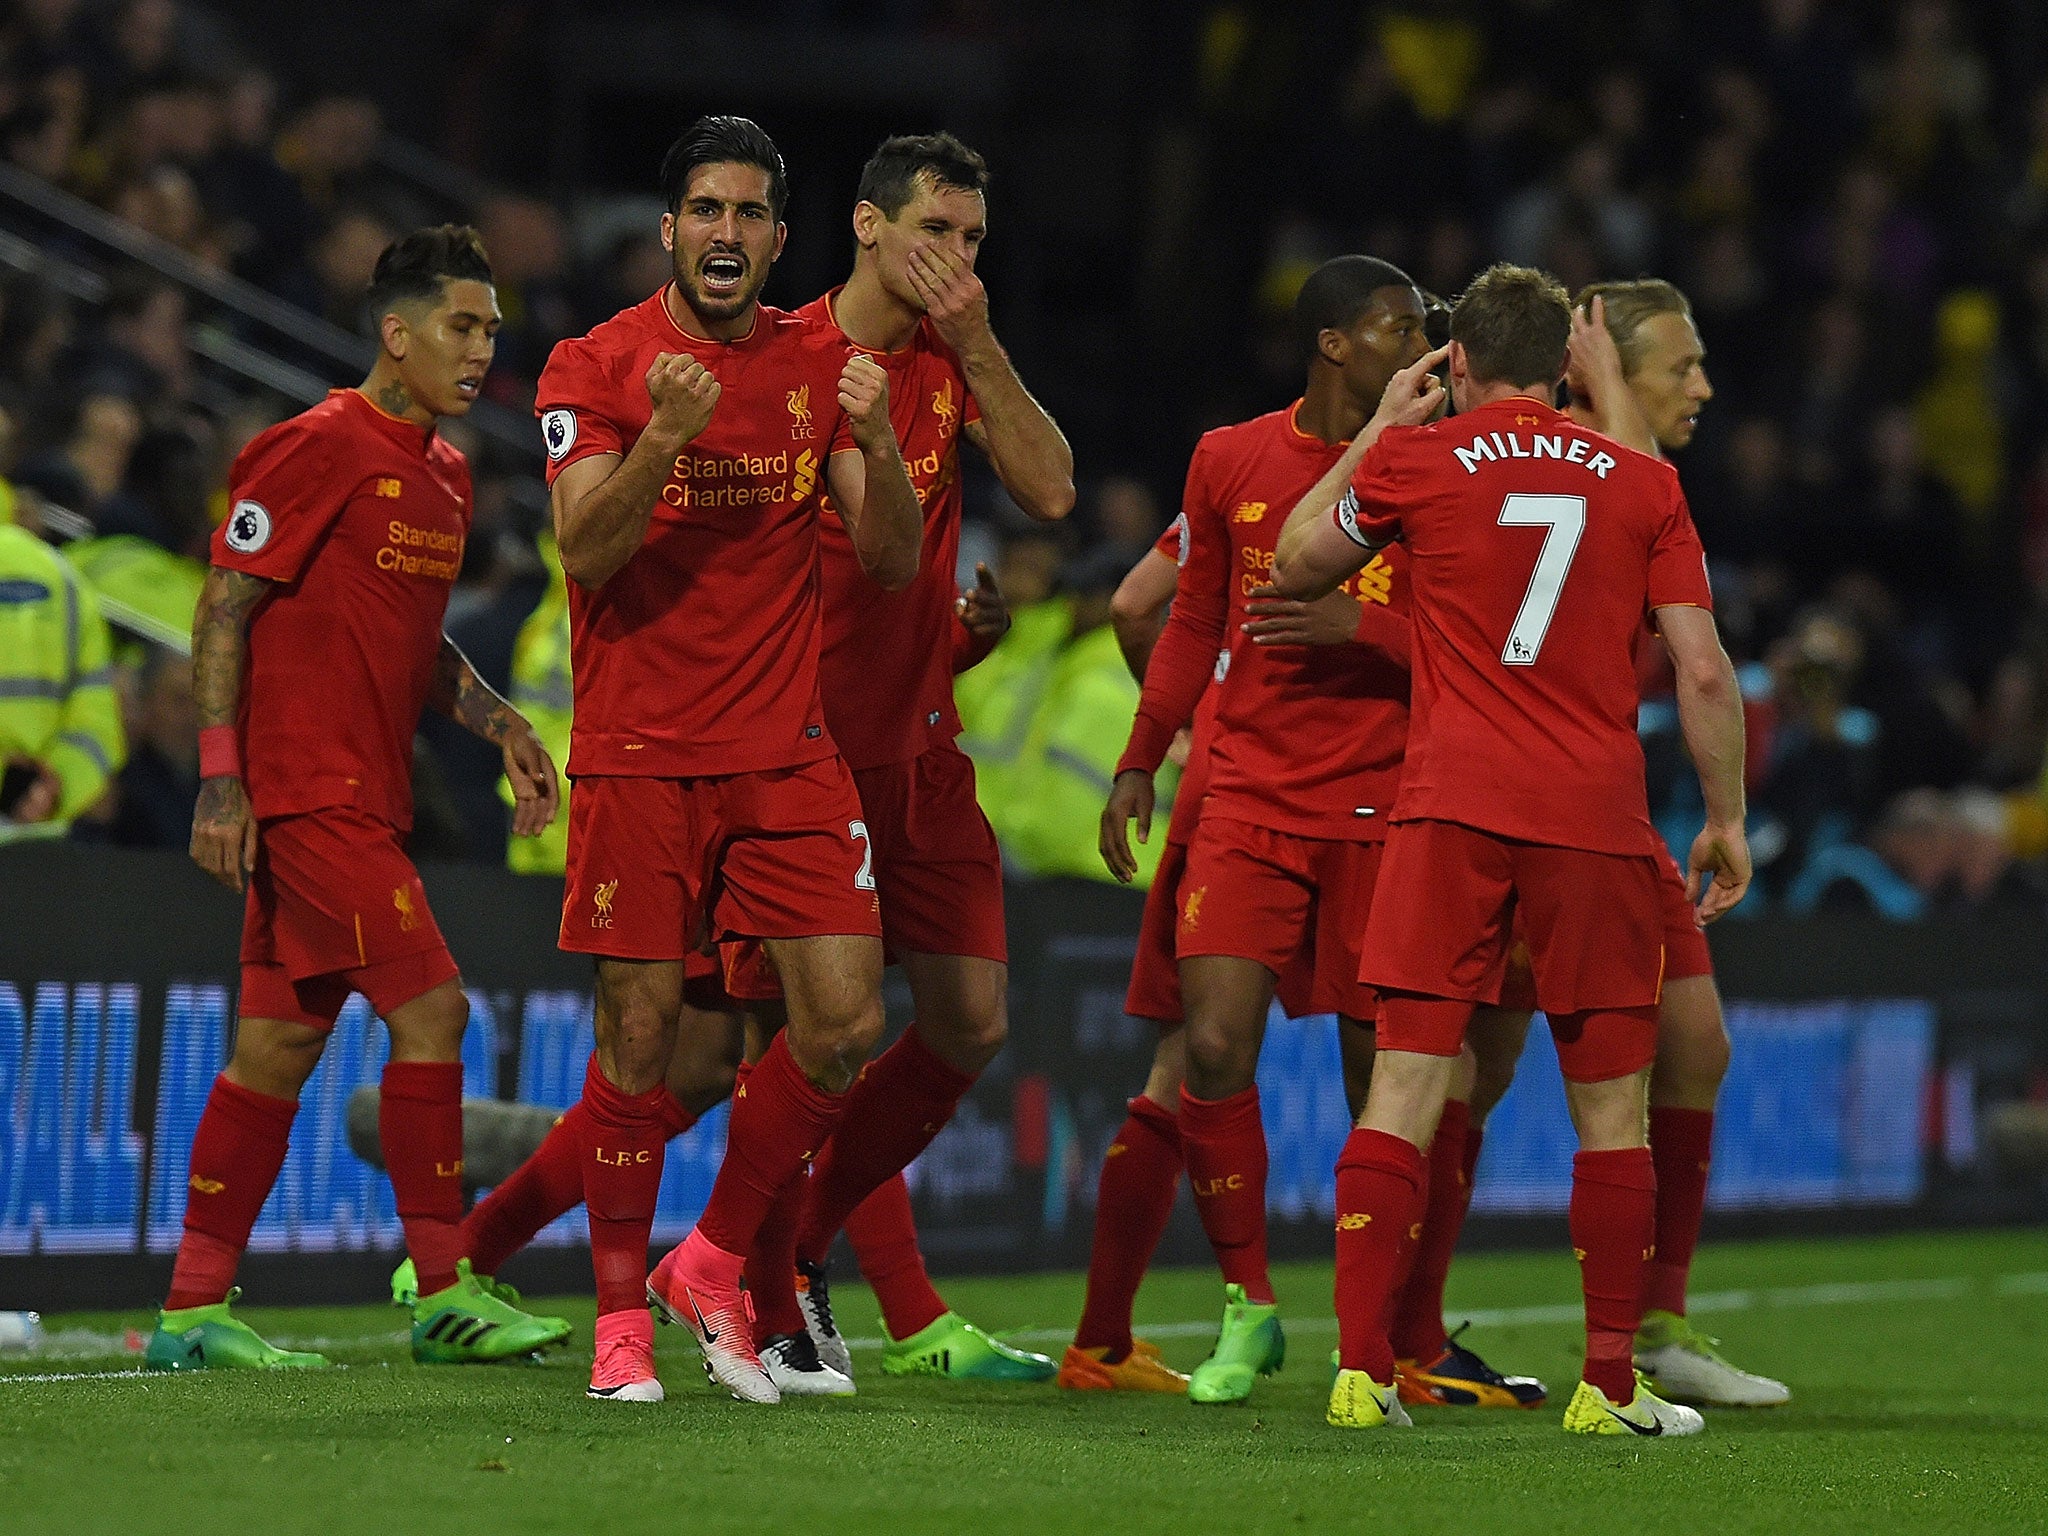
(623, 1146)
(771, 1265)
(1418, 1323)
(1379, 1197)
(1133, 1200)
(1224, 1142)
(1613, 1222)
(237, 1151)
(675, 1116)
(1682, 1146)
(901, 1101)
(419, 1123)
(884, 1237)
(780, 1120)
(548, 1184)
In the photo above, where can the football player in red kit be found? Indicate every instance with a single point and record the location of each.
(316, 644)
(691, 440)
(1538, 549)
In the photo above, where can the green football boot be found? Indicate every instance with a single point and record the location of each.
(956, 1349)
(405, 1287)
(466, 1324)
(211, 1339)
(1248, 1345)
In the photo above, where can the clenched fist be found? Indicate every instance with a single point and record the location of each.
(684, 394)
(864, 396)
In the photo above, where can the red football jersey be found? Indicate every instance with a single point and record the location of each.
(1537, 549)
(887, 663)
(700, 655)
(1308, 739)
(360, 519)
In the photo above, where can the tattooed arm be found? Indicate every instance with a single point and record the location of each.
(472, 704)
(223, 831)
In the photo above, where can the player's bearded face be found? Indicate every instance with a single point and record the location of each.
(723, 240)
(448, 349)
(1670, 378)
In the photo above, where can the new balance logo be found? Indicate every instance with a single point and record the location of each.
(1353, 1221)
(206, 1186)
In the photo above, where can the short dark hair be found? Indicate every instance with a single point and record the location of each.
(417, 265)
(1626, 306)
(889, 179)
(719, 141)
(1515, 324)
(1338, 292)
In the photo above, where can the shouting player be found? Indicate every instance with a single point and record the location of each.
(1538, 550)
(1283, 859)
(690, 442)
(915, 305)
(316, 643)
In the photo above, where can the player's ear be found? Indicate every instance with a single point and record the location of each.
(867, 220)
(781, 235)
(1333, 345)
(668, 232)
(392, 331)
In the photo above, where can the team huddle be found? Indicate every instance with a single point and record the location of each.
(1407, 646)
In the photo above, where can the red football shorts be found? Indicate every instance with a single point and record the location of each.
(936, 866)
(1447, 896)
(1274, 897)
(1685, 944)
(655, 863)
(1154, 992)
(936, 860)
(334, 906)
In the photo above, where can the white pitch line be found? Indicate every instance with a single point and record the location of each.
(1837, 1293)
(1834, 1293)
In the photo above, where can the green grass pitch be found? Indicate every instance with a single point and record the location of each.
(1919, 1367)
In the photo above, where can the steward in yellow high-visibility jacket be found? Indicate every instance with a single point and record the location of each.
(543, 691)
(60, 723)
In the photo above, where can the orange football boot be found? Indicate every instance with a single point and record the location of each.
(1085, 1370)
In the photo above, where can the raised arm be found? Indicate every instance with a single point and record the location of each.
(869, 484)
(1314, 555)
(464, 697)
(1600, 396)
(1025, 444)
(1710, 718)
(1137, 610)
(223, 830)
(602, 504)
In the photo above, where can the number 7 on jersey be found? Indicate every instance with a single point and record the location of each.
(1563, 520)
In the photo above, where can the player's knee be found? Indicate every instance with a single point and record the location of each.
(635, 1043)
(430, 1027)
(968, 1036)
(1220, 1060)
(275, 1056)
(833, 1044)
(1693, 1049)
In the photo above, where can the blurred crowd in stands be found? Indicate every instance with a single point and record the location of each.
(1855, 197)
